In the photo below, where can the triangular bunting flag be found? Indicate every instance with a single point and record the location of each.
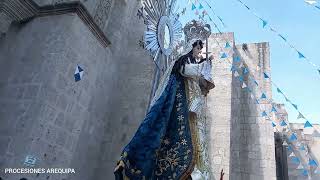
(279, 91)
(300, 166)
(283, 123)
(295, 160)
(245, 70)
(256, 82)
(319, 71)
(287, 99)
(273, 124)
(193, 7)
(313, 163)
(210, 18)
(293, 137)
(291, 155)
(295, 106)
(305, 172)
(285, 143)
(300, 116)
(241, 78)
(264, 23)
(200, 7)
(224, 55)
(301, 55)
(252, 96)
(233, 68)
(204, 12)
(78, 74)
(265, 75)
(236, 74)
(263, 96)
(236, 59)
(307, 124)
(227, 45)
(317, 7)
(241, 65)
(302, 148)
(244, 85)
(273, 109)
(264, 114)
(289, 148)
(258, 68)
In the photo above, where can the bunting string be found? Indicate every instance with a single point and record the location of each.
(266, 23)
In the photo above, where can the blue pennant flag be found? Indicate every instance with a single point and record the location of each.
(273, 124)
(283, 123)
(295, 160)
(236, 59)
(200, 7)
(302, 148)
(227, 45)
(265, 75)
(293, 137)
(264, 23)
(224, 55)
(289, 148)
(307, 124)
(279, 91)
(264, 114)
(78, 74)
(245, 70)
(241, 78)
(301, 55)
(233, 68)
(312, 163)
(273, 109)
(263, 96)
(193, 7)
(249, 90)
(305, 172)
(295, 106)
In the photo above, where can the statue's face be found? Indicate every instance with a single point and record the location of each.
(197, 51)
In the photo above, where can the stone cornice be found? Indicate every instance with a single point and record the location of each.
(24, 10)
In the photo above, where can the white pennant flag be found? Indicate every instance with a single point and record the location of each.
(285, 143)
(244, 85)
(258, 68)
(291, 155)
(310, 2)
(300, 166)
(241, 65)
(236, 74)
(252, 96)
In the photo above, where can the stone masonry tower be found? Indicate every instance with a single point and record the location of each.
(242, 142)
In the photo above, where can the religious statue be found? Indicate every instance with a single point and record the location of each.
(166, 145)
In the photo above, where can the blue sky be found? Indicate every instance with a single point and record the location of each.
(299, 23)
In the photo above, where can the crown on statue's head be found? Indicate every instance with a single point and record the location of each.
(195, 30)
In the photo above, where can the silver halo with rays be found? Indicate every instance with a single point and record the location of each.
(162, 35)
